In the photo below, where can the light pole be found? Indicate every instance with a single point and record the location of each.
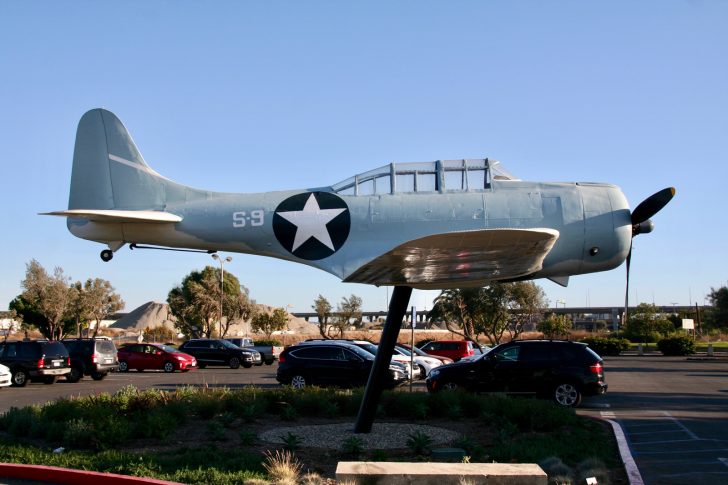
(222, 281)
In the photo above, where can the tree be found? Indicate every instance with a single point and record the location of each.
(555, 326)
(492, 310)
(717, 316)
(196, 302)
(647, 325)
(159, 334)
(348, 313)
(94, 301)
(267, 323)
(322, 307)
(50, 296)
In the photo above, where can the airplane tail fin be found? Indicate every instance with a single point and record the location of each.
(108, 170)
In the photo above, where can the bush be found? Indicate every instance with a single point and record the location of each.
(607, 346)
(677, 345)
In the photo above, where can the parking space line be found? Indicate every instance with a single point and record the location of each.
(682, 426)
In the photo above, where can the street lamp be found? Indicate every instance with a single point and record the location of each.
(222, 281)
(563, 302)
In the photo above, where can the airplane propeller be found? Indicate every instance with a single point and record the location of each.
(641, 224)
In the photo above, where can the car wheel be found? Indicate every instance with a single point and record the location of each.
(450, 386)
(423, 371)
(567, 394)
(269, 361)
(298, 382)
(247, 365)
(50, 379)
(123, 366)
(19, 378)
(168, 367)
(234, 362)
(75, 375)
(98, 376)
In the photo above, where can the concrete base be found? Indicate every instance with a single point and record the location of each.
(396, 473)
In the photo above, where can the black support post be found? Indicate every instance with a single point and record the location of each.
(372, 393)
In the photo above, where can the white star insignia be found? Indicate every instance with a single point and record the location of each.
(311, 222)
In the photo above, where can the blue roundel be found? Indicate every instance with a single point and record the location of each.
(312, 225)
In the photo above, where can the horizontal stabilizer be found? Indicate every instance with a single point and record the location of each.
(100, 215)
(460, 259)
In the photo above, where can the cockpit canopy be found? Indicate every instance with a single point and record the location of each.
(439, 176)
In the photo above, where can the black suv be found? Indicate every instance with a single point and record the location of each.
(559, 370)
(220, 352)
(330, 363)
(94, 357)
(36, 360)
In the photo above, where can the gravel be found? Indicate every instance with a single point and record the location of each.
(382, 436)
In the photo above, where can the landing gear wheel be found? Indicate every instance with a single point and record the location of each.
(106, 255)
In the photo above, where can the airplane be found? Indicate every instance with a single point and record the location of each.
(433, 225)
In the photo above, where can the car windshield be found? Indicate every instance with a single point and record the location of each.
(364, 354)
(371, 348)
(403, 351)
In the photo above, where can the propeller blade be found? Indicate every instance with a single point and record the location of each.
(652, 205)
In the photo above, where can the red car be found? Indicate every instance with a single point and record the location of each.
(154, 356)
(453, 349)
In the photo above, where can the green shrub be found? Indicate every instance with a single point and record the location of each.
(419, 443)
(677, 345)
(273, 342)
(607, 346)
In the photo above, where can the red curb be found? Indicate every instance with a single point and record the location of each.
(66, 476)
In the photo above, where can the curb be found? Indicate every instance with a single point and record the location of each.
(66, 476)
(633, 473)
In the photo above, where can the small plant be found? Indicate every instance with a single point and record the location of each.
(291, 442)
(248, 438)
(353, 446)
(289, 413)
(216, 431)
(419, 443)
(380, 455)
(283, 467)
(226, 419)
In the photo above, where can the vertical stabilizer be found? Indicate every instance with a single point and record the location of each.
(108, 170)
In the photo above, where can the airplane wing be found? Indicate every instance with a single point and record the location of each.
(98, 215)
(460, 259)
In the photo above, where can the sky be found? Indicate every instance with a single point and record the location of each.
(273, 95)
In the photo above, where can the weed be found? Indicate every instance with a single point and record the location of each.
(419, 443)
(216, 431)
(291, 442)
(289, 413)
(353, 446)
(227, 419)
(248, 438)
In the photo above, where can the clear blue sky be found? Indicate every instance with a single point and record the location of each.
(255, 96)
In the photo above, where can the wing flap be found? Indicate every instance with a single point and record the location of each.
(460, 259)
(100, 215)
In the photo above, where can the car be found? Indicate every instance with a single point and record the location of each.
(5, 376)
(146, 356)
(220, 352)
(330, 363)
(372, 349)
(452, 349)
(424, 363)
(35, 360)
(418, 351)
(555, 369)
(94, 357)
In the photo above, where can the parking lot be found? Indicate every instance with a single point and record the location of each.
(674, 414)
(674, 411)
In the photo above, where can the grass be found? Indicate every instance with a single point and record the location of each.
(93, 429)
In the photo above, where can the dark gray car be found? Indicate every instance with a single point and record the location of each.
(220, 352)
